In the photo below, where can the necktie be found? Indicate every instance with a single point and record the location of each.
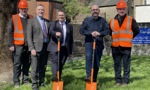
(62, 31)
(44, 28)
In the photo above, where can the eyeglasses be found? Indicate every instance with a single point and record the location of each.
(95, 9)
(121, 9)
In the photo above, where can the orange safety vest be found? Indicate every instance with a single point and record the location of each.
(18, 29)
(122, 36)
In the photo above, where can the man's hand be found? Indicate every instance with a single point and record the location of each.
(95, 33)
(12, 48)
(33, 52)
(58, 34)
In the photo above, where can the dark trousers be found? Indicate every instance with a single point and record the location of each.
(119, 54)
(54, 58)
(21, 63)
(38, 64)
(89, 54)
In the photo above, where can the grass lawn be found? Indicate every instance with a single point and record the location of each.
(74, 73)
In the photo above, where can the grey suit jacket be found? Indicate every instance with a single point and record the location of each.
(55, 27)
(35, 34)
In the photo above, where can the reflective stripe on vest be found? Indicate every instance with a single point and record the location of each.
(18, 30)
(122, 36)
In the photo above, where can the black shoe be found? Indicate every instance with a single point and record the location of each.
(42, 85)
(87, 79)
(35, 88)
(54, 79)
(25, 82)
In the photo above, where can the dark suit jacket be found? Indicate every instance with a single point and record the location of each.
(55, 27)
(35, 34)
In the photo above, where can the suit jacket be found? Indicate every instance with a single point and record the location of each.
(35, 34)
(55, 27)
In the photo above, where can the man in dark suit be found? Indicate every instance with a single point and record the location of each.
(38, 37)
(60, 28)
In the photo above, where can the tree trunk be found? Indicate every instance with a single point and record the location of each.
(7, 8)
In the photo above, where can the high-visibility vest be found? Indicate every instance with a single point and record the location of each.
(122, 36)
(18, 29)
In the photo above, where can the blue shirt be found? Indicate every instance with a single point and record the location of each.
(45, 39)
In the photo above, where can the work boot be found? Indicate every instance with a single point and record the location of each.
(54, 79)
(118, 84)
(41, 84)
(16, 85)
(124, 84)
(25, 82)
(87, 79)
(35, 87)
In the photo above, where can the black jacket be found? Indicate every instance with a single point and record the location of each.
(90, 24)
(55, 27)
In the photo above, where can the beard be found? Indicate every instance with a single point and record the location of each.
(95, 14)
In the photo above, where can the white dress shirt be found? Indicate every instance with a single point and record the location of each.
(64, 32)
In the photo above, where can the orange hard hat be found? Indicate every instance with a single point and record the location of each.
(121, 4)
(23, 4)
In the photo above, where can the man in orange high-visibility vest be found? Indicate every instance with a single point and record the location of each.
(123, 29)
(17, 43)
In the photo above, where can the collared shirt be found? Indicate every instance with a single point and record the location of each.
(64, 32)
(45, 39)
(22, 15)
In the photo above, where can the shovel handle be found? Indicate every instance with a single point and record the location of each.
(58, 46)
(58, 75)
(58, 43)
(94, 47)
(92, 72)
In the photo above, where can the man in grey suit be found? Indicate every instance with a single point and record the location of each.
(60, 28)
(38, 37)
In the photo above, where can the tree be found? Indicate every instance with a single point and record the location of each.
(7, 8)
(74, 7)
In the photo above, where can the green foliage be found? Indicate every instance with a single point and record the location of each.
(74, 7)
(74, 73)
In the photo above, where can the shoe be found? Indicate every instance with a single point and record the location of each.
(87, 79)
(54, 79)
(35, 88)
(42, 85)
(124, 84)
(16, 85)
(25, 82)
(118, 84)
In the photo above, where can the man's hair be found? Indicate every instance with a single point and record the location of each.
(60, 10)
(40, 5)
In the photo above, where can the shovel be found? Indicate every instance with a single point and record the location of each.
(58, 85)
(92, 85)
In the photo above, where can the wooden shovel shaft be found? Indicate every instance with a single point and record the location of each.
(92, 71)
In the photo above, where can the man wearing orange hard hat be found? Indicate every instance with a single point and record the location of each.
(123, 29)
(17, 43)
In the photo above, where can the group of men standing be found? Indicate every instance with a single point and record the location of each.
(35, 38)
(30, 39)
(122, 28)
